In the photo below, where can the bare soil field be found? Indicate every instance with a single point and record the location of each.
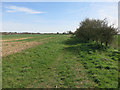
(13, 47)
(16, 39)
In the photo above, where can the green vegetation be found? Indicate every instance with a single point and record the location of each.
(100, 62)
(116, 42)
(96, 30)
(35, 37)
(61, 62)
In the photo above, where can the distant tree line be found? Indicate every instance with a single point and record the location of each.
(13, 33)
(96, 30)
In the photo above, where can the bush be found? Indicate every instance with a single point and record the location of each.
(96, 30)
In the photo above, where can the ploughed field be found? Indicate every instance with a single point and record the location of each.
(57, 61)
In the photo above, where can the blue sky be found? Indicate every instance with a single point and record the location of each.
(45, 17)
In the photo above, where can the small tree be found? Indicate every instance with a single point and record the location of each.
(64, 32)
(96, 30)
(69, 32)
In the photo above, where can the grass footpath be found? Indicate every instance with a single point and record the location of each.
(59, 63)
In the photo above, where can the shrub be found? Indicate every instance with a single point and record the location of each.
(96, 30)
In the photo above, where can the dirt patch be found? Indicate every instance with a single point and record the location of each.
(17, 39)
(14, 47)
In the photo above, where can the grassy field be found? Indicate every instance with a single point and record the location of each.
(57, 61)
(116, 42)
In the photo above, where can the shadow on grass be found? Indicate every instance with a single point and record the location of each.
(76, 46)
(74, 41)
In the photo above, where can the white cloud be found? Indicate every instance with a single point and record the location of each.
(112, 17)
(109, 11)
(22, 9)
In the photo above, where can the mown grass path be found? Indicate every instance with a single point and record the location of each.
(64, 71)
(55, 64)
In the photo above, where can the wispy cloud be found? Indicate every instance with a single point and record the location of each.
(22, 9)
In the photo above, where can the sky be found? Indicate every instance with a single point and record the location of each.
(52, 17)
